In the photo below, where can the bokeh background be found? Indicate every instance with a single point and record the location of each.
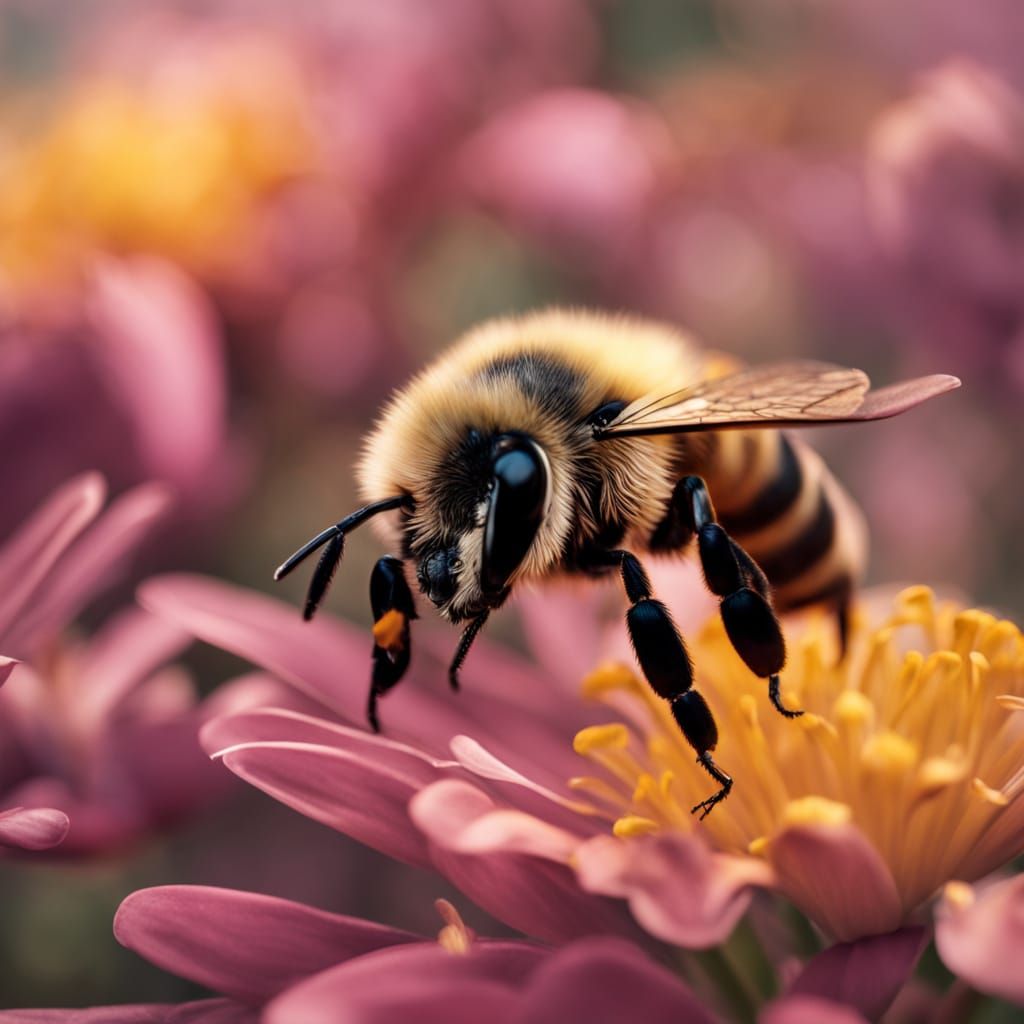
(229, 229)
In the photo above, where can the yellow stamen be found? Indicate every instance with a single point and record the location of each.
(456, 936)
(608, 677)
(614, 736)
(889, 752)
(988, 794)
(388, 630)
(634, 825)
(816, 810)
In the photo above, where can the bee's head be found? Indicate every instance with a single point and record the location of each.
(490, 500)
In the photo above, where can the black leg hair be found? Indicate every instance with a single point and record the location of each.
(393, 610)
(732, 575)
(666, 664)
(468, 636)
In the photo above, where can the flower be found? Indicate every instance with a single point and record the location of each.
(279, 962)
(837, 810)
(93, 729)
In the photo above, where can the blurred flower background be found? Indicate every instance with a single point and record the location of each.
(228, 228)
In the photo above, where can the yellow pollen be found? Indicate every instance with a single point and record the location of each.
(634, 825)
(757, 847)
(988, 794)
(942, 667)
(456, 936)
(388, 630)
(959, 895)
(614, 736)
(608, 677)
(816, 810)
(889, 752)
(915, 604)
(938, 772)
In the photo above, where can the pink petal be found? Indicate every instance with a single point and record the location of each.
(33, 828)
(677, 888)
(27, 558)
(532, 893)
(983, 941)
(607, 979)
(808, 1010)
(866, 974)
(91, 565)
(836, 877)
(422, 983)
(362, 791)
(158, 343)
(204, 1011)
(245, 945)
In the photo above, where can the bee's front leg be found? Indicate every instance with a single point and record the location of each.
(393, 610)
(666, 664)
(734, 576)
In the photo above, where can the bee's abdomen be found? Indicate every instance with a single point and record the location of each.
(781, 503)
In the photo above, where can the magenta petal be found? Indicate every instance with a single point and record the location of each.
(677, 888)
(33, 828)
(606, 979)
(242, 944)
(981, 938)
(203, 1011)
(808, 1010)
(423, 983)
(27, 558)
(836, 877)
(534, 894)
(362, 791)
(866, 974)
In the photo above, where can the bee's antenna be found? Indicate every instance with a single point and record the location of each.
(338, 530)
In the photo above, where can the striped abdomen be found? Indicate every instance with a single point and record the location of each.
(780, 502)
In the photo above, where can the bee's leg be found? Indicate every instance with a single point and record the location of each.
(737, 579)
(468, 636)
(663, 657)
(393, 610)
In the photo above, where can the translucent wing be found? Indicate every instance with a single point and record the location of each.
(801, 394)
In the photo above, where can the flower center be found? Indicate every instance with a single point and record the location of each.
(914, 737)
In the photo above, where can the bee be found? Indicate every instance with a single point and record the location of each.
(567, 442)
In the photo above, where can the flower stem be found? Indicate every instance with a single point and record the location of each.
(728, 983)
(749, 959)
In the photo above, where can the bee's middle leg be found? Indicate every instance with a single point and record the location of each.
(735, 577)
(393, 610)
(666, 664)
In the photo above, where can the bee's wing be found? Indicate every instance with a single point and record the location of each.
(802, 394)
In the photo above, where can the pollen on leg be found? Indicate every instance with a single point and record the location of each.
(389, 630)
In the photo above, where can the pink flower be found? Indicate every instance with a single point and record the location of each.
(476, 786)
(97, 730)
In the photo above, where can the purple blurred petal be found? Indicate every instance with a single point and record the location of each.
(362, 791)
(158, 343)
(89, 565)
(33, 828)
(607, 980)
(246, 945)
(677, 888)
(204, 1011)
(836, 877)
(866, 974)
(531, 893)
(981, 936)
(27, 558)
(424, 983)
(808, 1010)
